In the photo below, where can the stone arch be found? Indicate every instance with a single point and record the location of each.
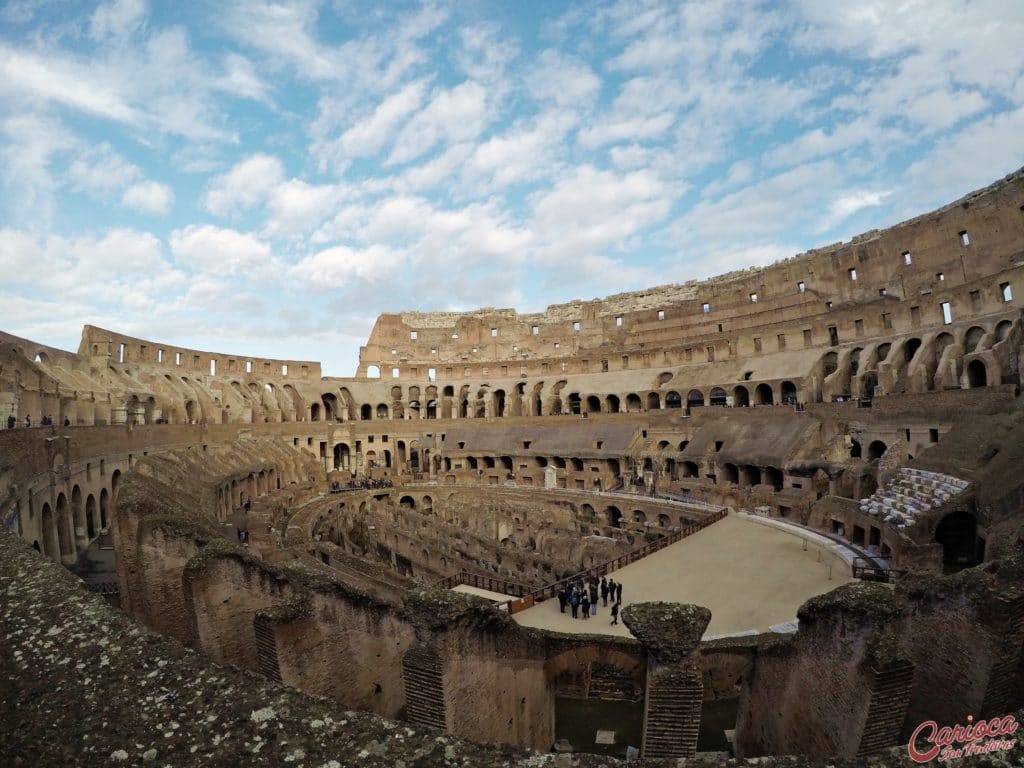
(788, 392)
(689, 469)
(957, 532)
(90, 517)
(717, 396)
(103, 509)
(731, 473)
(611, 404)
(653, 401)
(639, 517)
(593, 404)
(51, 540)
(829, 363)
(773, 476)
(876, 449)
(1003, 330)
(673, 399)
(763, 395)
(632, 402)
(64, 535)
(977, 375)
(366, 412)
(613, 516)
(740, 397)
(973, 338)
(694, 398)
(383, 411)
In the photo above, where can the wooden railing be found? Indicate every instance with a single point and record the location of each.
(481, 581)
(527, 599)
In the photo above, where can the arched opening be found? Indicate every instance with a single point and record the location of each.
(366, 412)
(731, 474)
(855, 449)
(740, 397)
(431, 409)
(575, 404)
(103, 509)
(977, 376)
(1003, 330)
(689, 469)
(407, 502)
(973, 338)
(64, 535)
(382, 411)
(773, 477)
(342, 457)
(639, 517)
(751, 475)
(115, 483)
(868, 384)
(829, 363)
(90, 517)
(612, 404)
(50, 541)
(593, 404)
(613, 517)
(373, 371)
(673, 399)
(664, 521)
(499, 402)
(694, 398)
(763, 395)
(876, 449)
(190, 411)
(910, 349)
(314, 412)
(717, 396)
(632, 403)
(957, 532)
(653, 401)
(788, 392)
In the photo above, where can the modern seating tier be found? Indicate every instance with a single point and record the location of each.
(912, 493)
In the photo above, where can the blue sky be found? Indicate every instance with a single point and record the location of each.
(264, 179)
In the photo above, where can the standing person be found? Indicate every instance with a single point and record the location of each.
(11, 421)
(574, 603)
(618, 592)
(611, 589)
(585, 603)
(615, 613)
(604, 590)
(593, 594)
(561, 599)
(28, 421)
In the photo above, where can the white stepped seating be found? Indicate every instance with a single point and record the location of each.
(912, 493)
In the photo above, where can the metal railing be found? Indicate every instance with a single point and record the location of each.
(867, 570)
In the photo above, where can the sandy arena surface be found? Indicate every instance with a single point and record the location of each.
(751, 576)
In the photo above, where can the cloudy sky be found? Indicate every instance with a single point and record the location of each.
(264, 178)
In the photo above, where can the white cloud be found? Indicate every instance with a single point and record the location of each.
(453, 115)
(102, 171)
(337, 266)
(370, 134)
(117, 19)
(297, 208)
(148, 197)
(219, 251)
(565, 80)
(249, 183)
(847, 204)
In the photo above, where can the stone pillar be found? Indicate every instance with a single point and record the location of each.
(671, 634)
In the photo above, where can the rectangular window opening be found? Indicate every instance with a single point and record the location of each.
(177, 358)
(248, 366)
(413, 335)
(536, 330)
(852, 273)
(159, 355)
(494, 331)
(284, 370)
(940, 276)
(907, 260)
(576, 326)
(947, 313)
(661, 314)
(394, 373)
(753, 298)
(965, 239)
(705, 307)
(801, 287)
(1007, 292)
(618, 321)
(213, 367)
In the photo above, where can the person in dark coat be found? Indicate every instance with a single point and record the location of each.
(585, 604)
(11, 421)
(618, 592)
(561, 600)
(604, 590)
(574, 602)
(615, 613)
(593, 593)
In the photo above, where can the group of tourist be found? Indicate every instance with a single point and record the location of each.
(356, 485)
(47, 421)
(581, 597)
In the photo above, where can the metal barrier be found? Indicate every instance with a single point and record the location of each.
(864, 570)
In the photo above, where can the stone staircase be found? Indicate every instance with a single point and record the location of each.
(889, 698)
(424, 688)
(609, 682)
(672, 719)
(910, 494)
